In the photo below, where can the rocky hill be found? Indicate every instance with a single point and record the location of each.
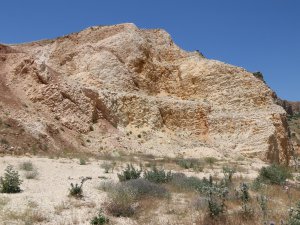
(292, 108)
(123, 89)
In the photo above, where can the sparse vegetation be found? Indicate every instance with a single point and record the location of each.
(31, 171)
(106, 185)
(28, 216)
(27, 166)
(184, 183)
(121, 203)
(263, 204)
(3, 201)
(210, 160)
(82, 161)
(4, 141)
(31, 174)
(259, 75)
(191, 163)
(108, 166)
(274, 174)
(228, 173)
(247, 211)
(294, 215)
(76, 189)
(158, 175)
(124, 194)
(100, 219)
(222, 198)
(130, 173)
(216, 196)
(11, 182)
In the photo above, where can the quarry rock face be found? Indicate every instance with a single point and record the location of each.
(120, 88)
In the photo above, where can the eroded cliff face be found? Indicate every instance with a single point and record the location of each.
(115, 88)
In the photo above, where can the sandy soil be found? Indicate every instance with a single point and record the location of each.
(50, 190)
(47, 196)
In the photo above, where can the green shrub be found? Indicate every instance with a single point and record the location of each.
(82, 161)
(76, 190)
(100, 219)
(182, 182)
(228, 174)
(246, 211)
(216, 197)
(190, 163)
(11, 182)
(257, 185)
(129, 173)
(158, 175)
(259, 75)
(274, 174)
(27, 166)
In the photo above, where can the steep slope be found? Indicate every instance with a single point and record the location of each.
(119, 88)
(292, 108)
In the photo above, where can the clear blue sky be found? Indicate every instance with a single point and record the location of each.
(259, 35)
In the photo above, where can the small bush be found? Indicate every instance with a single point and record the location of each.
(274, 174)
(182, 182)
(190, 163)
(99, 219)
(158, 175)
(27, 166)
(106, 185)
(216, 196)
(210, 160)
(124, 195)
(107, 166)
(263, 204)
(259, 75)
(32, 174)
(121, 204)
(257, 185)
(76, 190)
(228, 174)
(144, 188)
(11, 182)
(247, 211)
(82, 161)
(4, 141)
(129, 173)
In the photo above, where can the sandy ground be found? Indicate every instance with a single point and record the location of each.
(50, 190)
(48, 194)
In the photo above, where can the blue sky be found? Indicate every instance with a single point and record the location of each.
(259, 35)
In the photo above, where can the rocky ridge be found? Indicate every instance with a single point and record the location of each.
(120, 88)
